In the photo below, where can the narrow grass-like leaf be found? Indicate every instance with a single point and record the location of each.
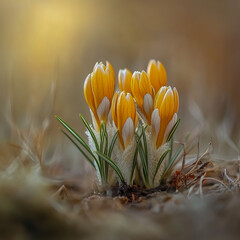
(112, 144)
(101, 162)
(175, 157)
(102, 137)
(138, 138)
(177, 154)
(75, 134)
(172, 160)
(134, 163)
(160, 162)
(106, 140)
(143, 160)
(145, 146)
(90, 131)
(106, 151)
(83, 153)
(171, 150)
(142, 156)
(112, 164)
(173, 129)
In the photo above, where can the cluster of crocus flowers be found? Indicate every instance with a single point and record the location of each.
(142, 92)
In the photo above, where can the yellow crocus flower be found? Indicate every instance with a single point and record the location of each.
(98, 92)
(157, 74)
(164, 115)
(124, 116)
(143, 93)
(124, 80)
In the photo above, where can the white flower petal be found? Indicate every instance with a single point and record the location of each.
(155, 121)
(127, 130)
(122, 76)
(103, 108)
(147, 103)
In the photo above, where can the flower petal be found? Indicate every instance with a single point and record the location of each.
(103, 109)
(124, 80)
(127, 131)
(155, 120)
(170, 126)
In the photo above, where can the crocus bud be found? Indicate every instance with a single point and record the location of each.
(124, 80)
(164, 115)
(98, 92)
(157, 74)
(124, 116)
(143, 93)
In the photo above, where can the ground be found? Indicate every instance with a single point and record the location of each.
(36, 207)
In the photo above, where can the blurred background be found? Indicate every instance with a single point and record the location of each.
(48, 47)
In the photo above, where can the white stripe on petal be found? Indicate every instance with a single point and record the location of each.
(147, 103)
(170, 126)
(103, 108)
(128, 96)
(137, 75)
(155, 121)
(127, 131)
(122, 76)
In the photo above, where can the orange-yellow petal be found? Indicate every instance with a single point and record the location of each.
(109, 66)
(176, 100)
(98, 78)
(102, 83)
(167, 104)
(143, 93)
(90, 99)
(98, 91)
(159, 97)
(157, 74)
(135, 88)
(145, 84)
(126, 116)
(87, 88)
(124, 80)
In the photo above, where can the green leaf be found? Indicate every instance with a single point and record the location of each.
(75, 134)
(134, 163)
(143, 160)
(159, 163)
(112, 144)
(145, 146)
(90, 131)
(106, 140)
(142, 154)
(172, 161)
(102, 137)
(171, 151)
(112, 164)
(105, 137)
(175, 157)
(83, 153)
(173, 129)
